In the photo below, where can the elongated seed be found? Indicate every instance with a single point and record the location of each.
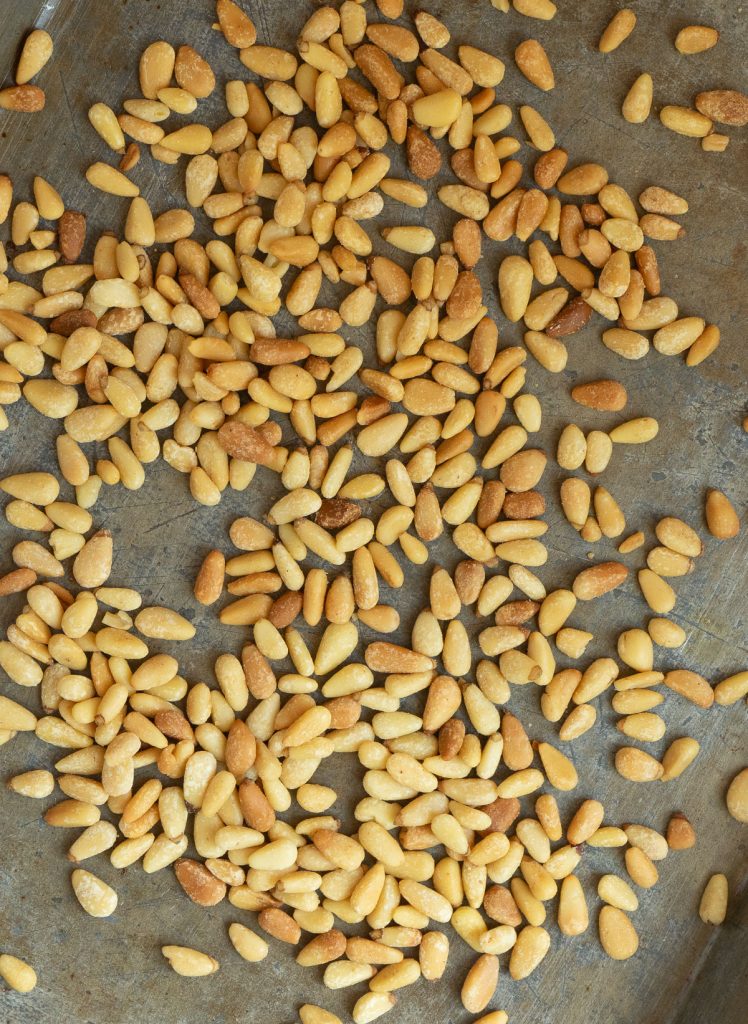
(617, 934)
(17, 974)
(713, 905)
(96, 897)
(190, 963)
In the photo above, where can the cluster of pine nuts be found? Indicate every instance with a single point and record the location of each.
(35, 54)
(721, 106)
(182, 339)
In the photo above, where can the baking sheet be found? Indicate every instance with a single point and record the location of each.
(112, 971)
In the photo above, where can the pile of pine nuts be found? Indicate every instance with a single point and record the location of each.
(453, 827)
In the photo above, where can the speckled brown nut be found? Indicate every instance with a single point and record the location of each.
(322, 949)
(121, 321)
(335, 513)
(27, 99)
(599, 579)
(524, 505)
(424, 159)
(726, 106)
(466, 297)
(16, 581)
(285, 609)
(277, 351)
(570, 319)
(201, 297)
(255, 807)
(466, 238)
(549, 167)
(503, 812)
(280, 925)
(517, 754)
(499, 904)
(209, 580)
(241, 749)
(244, 442)
(451, 737)
(516, 613)
(379, 69)
(71, 234)
(259, 674)
(344, 712)
(201, 887)
(193, 73)
(173, 724)
(469, 578)
(606, 395)
(66, 323)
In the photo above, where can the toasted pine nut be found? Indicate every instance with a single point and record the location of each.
(721, 517)
(696, 39)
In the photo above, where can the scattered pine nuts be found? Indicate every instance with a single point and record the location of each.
(292, 210)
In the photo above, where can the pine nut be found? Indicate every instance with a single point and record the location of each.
(95, 896)
(713, 905)
(696, 39)
(189, 963)
(721, 517)
(617, 935)
(618, 29)
(16, 973)
(531, 947)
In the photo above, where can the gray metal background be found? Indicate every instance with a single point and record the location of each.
(112, 972)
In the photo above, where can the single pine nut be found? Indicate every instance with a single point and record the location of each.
(713, 905)
(95, 896)
(189, 963)
(696, 39)
(617, 934)
(16, 973)
(618, 29)
(721, 517)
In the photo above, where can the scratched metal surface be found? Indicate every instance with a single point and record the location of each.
(111, 972)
